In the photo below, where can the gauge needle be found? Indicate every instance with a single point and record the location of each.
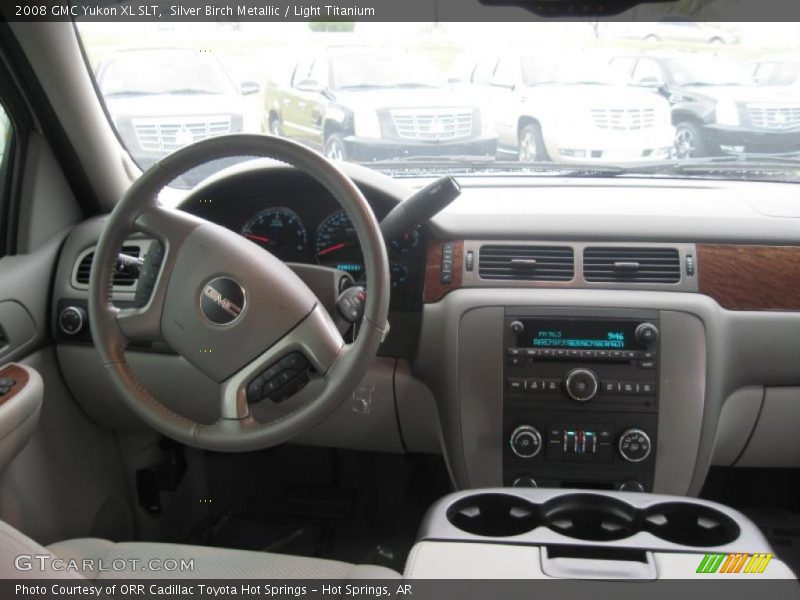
(333, 248)
(258, 238)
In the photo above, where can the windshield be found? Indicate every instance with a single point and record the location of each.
(419, 99)
(162, 72)
(708, 71)
(387, 71)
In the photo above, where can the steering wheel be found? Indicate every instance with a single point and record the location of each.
(232, 309)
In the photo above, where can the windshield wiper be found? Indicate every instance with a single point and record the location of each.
(779, 166)
(193, 92)
(471, 164)
(129, 93)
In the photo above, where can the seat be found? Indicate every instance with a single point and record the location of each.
(102, 559)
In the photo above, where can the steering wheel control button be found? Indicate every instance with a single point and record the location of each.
(646, 333)
(222, 301)
(351, 304)
(72, 320)
(634, 445)
(581, 384)
(526, 441)
(281, 380)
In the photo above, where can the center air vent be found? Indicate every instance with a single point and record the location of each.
(527, 263)
(121, 280)
(631, 265)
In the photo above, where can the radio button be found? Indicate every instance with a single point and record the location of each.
(647, 389)
(629, 387)
(603, 354)
(515, 351)
(561, 353)
(610, 387)
(552, 385)
(515, 361)
(534, 385)
(574, 353)
(588, 354)
(547, 353)
(515, 384)
(647, 364)
(531, 352)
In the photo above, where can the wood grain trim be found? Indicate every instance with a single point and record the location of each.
(19, 374)
(434, 289)
(742, 277)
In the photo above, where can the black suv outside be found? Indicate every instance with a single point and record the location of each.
(716, 109)
(364, 104)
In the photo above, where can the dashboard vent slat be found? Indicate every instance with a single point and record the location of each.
(631, 265)
(526, 263)
(84, 270)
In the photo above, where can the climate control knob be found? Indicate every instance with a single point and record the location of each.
(634, 445)
(581, 384)
(526, 441)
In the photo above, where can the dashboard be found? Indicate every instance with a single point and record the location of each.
(527, 362)
(298, 221)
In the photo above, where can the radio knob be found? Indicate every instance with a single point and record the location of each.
(526, 441)
(516, 327)
(646, 333)
(581, 384)
(634, 445)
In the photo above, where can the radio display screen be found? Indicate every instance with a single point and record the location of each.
(579, 334)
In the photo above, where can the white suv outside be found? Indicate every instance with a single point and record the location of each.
(568, 110)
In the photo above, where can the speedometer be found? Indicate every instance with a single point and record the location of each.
(337, 245)
(280, 231)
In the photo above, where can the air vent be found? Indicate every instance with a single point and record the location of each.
(122, 280)
(631, 265)
(527, 263)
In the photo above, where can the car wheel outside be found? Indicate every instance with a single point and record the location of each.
(531, 144)
(275, 127)
(689, 142)
(334, 147)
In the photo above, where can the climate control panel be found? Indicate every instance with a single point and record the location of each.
(580, 404)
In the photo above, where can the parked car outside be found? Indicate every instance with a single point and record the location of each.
(163, 99)
(716, 108)
(677, 30)
(775, 71)
(565, 109)
(367, 104)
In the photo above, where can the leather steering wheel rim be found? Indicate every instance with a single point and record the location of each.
(299, 323)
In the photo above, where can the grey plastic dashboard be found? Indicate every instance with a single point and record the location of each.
(735, 372)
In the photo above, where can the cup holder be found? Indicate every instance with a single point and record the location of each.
(691, 524)
(591, 517)
(493, 515)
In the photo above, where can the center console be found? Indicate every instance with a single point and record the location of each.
(575, 534)
(581, 398)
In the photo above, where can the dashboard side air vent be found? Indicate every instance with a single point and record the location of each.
(526, 263)
(631, 265)
(122, 280)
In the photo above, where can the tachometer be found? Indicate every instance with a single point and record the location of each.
(280, 231)
(337, 245)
